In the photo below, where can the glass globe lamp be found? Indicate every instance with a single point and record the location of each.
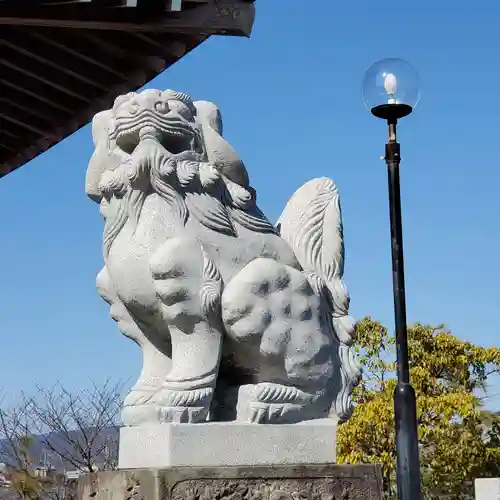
(391, 88)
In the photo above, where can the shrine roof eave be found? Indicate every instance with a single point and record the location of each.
(62, 65)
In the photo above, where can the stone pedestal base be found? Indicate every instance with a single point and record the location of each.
(487, 489)
(328, 482)
(161, 446)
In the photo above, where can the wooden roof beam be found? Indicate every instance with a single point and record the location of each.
(3, 145)
(218, 17)
(20, 134)
(7, 133)
(154, 62)
(49, 3)
(33, 50)
(173, 5)
(22, 121)
(12, 141)
(108, 3)
(29, 105)
(78, 49)
(38, 71)
(40, 144)
(170, 48)
(38, 91)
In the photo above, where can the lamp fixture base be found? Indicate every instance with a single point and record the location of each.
(391, 112)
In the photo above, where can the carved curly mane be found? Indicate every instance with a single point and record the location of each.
(211, 186)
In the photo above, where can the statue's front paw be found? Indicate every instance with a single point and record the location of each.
(133, 416)
(189, 406)
(270, 403)
(139, 407)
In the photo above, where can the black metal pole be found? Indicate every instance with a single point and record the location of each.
(405, 404)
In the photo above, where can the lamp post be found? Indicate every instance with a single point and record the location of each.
(390, 92)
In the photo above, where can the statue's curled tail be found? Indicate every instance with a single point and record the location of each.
(312, 225)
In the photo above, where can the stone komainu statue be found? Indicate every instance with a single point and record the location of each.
(237, 319)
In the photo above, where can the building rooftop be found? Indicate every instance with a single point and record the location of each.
(65, 60)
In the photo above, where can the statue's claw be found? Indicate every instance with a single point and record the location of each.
(183, 414)
(268, 403)
(184, 406)
(264, 413)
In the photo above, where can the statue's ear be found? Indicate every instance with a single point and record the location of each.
(219, 151)
(101, 127)
(209, 114)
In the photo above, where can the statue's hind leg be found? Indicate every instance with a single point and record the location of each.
(275, 321)
(189, 287)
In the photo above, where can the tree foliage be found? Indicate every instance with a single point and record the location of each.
(459, 439)
(15, 448)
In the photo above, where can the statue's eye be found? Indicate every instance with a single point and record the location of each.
(181, 109)
(161, 107)
(133, 107)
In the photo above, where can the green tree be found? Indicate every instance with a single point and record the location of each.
(459, 439)
(15, 448)
(23, 478)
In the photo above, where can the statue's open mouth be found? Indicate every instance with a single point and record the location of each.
(177, 141)
(175, 135)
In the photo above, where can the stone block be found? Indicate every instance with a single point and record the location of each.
(487, 489)
(313, 482)
(215, 444)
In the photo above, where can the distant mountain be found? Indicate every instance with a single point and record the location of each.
(41, 455)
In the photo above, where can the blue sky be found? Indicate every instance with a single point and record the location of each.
(290, 98)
